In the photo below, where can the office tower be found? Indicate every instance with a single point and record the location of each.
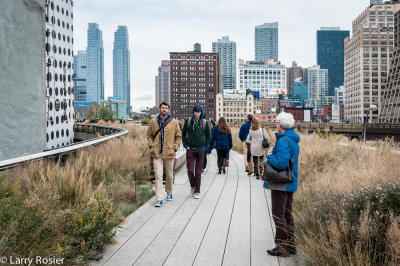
(317, 87)
(330, 55)
(157, 90)
(59, 84)
(163, 92)
(235, 109)
(339, 95)
(367, 61)
(266, 42)
(79, 76)
(390, 112)
(195, 79)
(267, 79)
(121, 66)
(226, 50)
(95, 64)
(294, 72)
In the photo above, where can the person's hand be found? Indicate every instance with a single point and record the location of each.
(270, 150)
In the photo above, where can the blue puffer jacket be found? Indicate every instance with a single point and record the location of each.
(280, 157)
(244, 131)
(220, 140)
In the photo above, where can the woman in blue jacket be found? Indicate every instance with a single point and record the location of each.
(222, 141)
(286, 148)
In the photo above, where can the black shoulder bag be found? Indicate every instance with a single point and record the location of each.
(162, 126)
(276, 176)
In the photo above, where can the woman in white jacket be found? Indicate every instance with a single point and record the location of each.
(257, 149)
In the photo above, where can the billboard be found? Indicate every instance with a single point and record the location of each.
(235, 94)
(289, 98)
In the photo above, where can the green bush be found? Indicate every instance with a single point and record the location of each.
(145, 121)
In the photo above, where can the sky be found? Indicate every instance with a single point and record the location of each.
(157, 27)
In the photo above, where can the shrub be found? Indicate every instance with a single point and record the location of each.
(145, 121)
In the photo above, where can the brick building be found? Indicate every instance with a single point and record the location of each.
(195, 79)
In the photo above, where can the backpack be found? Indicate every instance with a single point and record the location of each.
(189, 120)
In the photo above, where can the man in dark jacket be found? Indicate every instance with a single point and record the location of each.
(243, 132)
(196, 136)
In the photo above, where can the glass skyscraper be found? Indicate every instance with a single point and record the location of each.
(121, 66)
(227, 56)
(80, 76)
(266, 42)
(95, 64)
(330, 55)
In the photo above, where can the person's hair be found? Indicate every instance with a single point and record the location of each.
(255, 123)
(223, 126)
(204, 116)
(164, 103)
(250, 117)
(286, 120)
(197, 108)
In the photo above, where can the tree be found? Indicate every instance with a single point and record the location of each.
(92, 112)
(105, 112)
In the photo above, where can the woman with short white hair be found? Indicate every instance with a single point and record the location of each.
(286, 148)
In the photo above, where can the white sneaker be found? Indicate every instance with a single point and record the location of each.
(192, 191)
(197, 195)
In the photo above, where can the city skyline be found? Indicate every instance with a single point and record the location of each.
(159, 28)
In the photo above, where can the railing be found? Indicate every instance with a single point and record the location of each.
(99, 134)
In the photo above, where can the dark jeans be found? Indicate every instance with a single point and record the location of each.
(194, 164)
(248, 152)
(222, 157)
(283, 218)
(205, 161)
(258, 165)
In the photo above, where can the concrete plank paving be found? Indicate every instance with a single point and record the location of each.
(230, 225)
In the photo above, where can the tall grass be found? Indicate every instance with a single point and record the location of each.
(70, 210)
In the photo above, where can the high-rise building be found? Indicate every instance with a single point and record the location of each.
(121, 66)
(268, 79)
(294, 72)
(163, 92)
(226, 50)
(339, 95)
(317, 87)
(79, 76)
(59, 85)
(390, 111)
(367, 60)
(266, 42)
(157, 91)
(195, 79)
(95, 64)
(330, 55)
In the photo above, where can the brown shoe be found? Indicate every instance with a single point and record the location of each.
(227, 163)
(250, 169)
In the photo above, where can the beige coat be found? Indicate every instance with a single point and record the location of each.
(257, 148)
(172, 139)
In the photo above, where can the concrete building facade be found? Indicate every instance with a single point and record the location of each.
(163, 92)
(269, 79)
(79, 76)
(293, 73)
(367, 60)
(317, 87)
(234, 110)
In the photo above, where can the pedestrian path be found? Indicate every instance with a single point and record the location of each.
(230, 225)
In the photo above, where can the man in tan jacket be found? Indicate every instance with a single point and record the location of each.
(164, 138)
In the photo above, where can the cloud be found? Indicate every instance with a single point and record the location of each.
(157, 27)
(146, 97)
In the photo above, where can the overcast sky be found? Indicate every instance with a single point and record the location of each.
(157, 27)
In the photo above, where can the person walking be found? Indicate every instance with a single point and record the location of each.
(222, 141)
(207, 151)
(257, 150)
(286, 148)
(243, 136)
(164, 138)
(196, 136)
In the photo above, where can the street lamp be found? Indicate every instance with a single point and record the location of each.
(371, 107)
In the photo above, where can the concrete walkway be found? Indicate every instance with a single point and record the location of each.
(230, 225)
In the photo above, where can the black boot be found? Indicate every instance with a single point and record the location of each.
(219, 170)
(223, 170)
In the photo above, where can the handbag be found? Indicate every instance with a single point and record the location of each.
(275, 176)
(265, 142)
